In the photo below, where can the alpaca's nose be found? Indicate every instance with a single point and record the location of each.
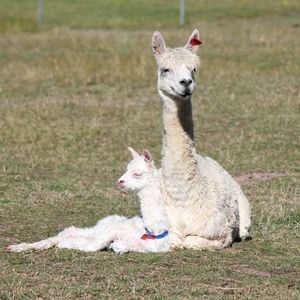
(121, 183)
(186, 82)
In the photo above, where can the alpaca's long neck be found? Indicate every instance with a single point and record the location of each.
(179, 163)
(178, 126)
(178, 116)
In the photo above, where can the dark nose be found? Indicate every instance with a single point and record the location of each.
(185, 82)
(121, 183)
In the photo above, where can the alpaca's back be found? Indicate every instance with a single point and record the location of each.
(230, 193)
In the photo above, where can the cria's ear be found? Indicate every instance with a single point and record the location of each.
(133, 152)
(147, 156)
(193, 41)
(158, 44)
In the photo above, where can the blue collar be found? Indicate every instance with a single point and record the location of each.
(150, 236)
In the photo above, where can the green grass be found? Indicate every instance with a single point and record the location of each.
(72, 100)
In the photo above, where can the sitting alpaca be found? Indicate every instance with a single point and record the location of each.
(205, 207)
(147, 234)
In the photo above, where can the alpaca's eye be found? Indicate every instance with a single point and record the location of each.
(164, 71)
(194, 70)
(137, 175)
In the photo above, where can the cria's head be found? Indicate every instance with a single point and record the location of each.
(139, 171)
(176, 67)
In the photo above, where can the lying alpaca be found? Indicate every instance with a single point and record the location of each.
(147, 234)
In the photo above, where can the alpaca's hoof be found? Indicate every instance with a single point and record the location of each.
(16, 248)
(8, 249)
(118, 247)
(11, 248)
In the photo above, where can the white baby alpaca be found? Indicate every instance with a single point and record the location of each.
(142, 175)
(118, 232)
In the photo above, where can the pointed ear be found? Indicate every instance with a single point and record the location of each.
(193, 41)
(133, 152)
(147, 157)
(158, 44)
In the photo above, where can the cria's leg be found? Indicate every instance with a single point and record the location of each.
(67, 236)
(85, 239)
(200, 243)
(41, 245)
(70, 237)
(95, 238)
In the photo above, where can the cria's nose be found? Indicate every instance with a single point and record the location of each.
(185, 82)
(121, 183)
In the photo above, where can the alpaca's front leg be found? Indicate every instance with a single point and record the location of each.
(176, 239)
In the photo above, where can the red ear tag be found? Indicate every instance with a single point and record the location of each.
(195, 42)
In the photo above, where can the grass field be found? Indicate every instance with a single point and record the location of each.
(76, 91)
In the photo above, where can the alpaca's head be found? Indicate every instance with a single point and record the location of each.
(140, 171)
(176, 67)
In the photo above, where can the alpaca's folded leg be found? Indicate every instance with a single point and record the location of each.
(176, 238)
(245, 218)
(200, 243)
(120, 247)
(123, 246)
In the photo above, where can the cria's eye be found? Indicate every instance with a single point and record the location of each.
(137, 175)
(194, 70)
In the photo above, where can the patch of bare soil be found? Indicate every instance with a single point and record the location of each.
(250, 270)
(256, 177)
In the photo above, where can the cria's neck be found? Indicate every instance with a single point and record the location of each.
(151, 188)
(152, 206)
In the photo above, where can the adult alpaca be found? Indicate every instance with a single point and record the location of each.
(206, 207)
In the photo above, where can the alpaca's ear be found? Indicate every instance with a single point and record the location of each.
(193, 41)
(158, 44)
(148, 158)
(133, 152)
